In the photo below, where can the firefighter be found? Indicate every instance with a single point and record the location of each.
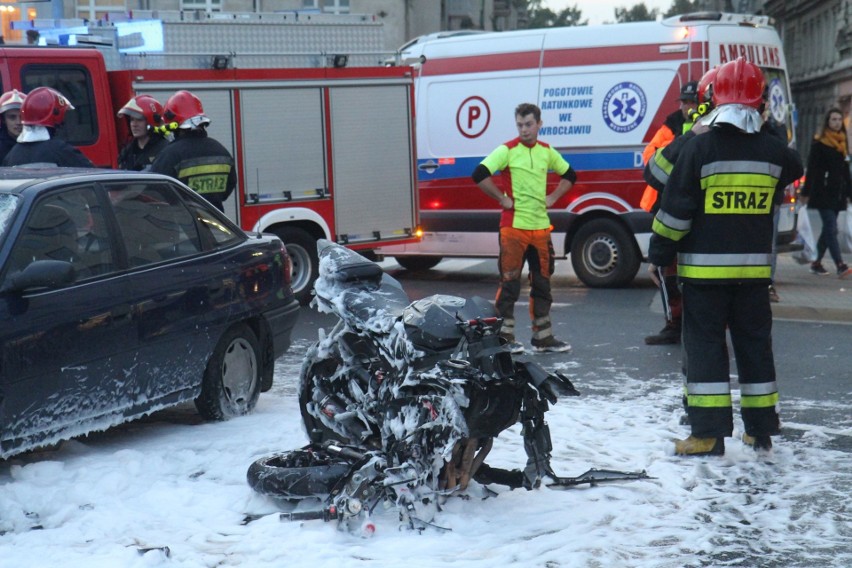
(524, 224)
(144, 114)
(42, 114)
(675, 126)
(656, 173)
(716, 215)
(10, 123)
(193, 157)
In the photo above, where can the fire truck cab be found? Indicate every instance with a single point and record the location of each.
(604, 91)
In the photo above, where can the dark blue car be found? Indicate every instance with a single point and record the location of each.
(122, 293)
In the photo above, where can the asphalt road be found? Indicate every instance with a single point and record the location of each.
(606, 329)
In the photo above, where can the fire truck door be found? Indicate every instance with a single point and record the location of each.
(373, 188)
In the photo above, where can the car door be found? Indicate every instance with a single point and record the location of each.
(181, 293)
(68, 353)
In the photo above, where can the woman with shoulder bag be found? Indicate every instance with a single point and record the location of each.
(828, 187)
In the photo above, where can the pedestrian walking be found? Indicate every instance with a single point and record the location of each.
(716, 216)
(524, 224)
(144, 114)
(828, 188)
(10, 120)
(42, 114)
(194, 158)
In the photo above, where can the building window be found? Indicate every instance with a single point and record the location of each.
(205, 5)
(328, 6)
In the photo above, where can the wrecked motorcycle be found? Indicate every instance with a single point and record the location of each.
(402, 401)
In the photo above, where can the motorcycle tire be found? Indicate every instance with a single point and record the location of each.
(297, 474)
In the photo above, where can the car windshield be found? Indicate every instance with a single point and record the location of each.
(8, 205)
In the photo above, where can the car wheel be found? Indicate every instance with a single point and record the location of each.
(603, 254)
(302, 248)
(231, 381)
(418, 263)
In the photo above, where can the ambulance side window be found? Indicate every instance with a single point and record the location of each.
(75, 82)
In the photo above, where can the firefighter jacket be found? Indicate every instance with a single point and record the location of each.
(201, 163)
(827, 185)
(673, 129)
(132, 157)
(54, 151)
(717, 206)
(659, 167)
(7, 142)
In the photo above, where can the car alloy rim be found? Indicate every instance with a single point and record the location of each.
(239, 372)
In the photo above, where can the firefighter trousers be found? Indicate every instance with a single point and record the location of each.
(708, 309)
(534, 247)
(670, 292)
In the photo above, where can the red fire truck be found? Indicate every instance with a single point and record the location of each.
(324, 152)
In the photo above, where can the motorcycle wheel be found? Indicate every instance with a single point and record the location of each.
(298, 474)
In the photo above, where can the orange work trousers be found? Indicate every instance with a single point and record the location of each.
(536, 248)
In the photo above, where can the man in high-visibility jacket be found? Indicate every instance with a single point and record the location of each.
(716, 215)
(525, 225)
(676, 125)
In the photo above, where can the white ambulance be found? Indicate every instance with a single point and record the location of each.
(604, 91)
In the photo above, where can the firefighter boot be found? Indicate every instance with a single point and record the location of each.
(759, 443)
(693, 446)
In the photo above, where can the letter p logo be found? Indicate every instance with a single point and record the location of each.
(472, 117)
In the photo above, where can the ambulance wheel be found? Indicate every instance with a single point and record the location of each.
(302, 248)
(604, 255)
(418, 263)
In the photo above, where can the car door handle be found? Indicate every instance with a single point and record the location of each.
(122, 311)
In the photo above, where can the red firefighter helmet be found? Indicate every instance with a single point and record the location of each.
(184, 110)
(738, 82)
(11, 100)
(144, 107)
(44, 106)
(705, 85)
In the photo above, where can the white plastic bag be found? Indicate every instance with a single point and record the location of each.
(844, 229)
(805, 237)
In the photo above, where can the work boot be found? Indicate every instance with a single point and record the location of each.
(759, 443)
(669, 335)
(843, 270)
(693, 446)
(549, 344)
(511, 344)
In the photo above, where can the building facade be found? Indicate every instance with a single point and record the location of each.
(817, 37)
(403, 19)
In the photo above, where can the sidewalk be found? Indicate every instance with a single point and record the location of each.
(809, 297)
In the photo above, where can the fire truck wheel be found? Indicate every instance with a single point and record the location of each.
(302, 248)
(418, 263)
(604, 255)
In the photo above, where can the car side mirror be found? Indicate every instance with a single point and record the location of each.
(41, 274)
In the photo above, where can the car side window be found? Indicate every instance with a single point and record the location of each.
(154, 223)
(68, 226)
(219, 233)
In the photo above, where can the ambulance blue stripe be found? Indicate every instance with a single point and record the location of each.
(463, 167)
